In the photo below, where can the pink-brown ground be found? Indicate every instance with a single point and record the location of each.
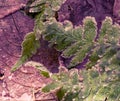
(24, 84)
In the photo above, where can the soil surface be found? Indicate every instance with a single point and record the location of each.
(77, 10)
(25, 83)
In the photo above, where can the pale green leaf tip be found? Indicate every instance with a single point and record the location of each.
(15, 67)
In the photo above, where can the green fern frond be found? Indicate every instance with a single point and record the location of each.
(107, 45)
(73, 42)
(104, 84)
(97, 85)
(66, 84)
(54, 4)
(46, 10)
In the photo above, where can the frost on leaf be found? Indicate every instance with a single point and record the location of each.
(29, 47)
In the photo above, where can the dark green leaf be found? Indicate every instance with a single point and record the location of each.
(51, 86)
(29, 47)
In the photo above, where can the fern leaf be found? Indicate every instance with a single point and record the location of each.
(106, 46)
(29, 47)
(73, 42)
(104, 86)
(43, 71)
(61, 93)
(72, 49)
(90, 29)
(55, 34)
(80, 55)
(64, 83)
(50, 87)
